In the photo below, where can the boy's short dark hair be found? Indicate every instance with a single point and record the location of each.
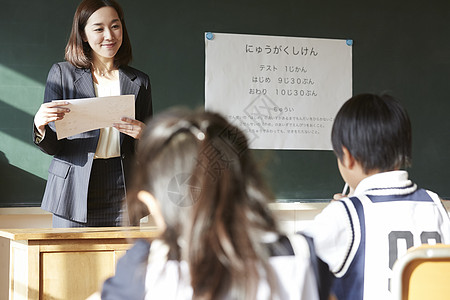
(376, 130)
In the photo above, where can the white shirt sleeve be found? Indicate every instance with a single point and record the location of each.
(333, 235)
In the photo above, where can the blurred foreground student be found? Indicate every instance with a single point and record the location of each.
(360, 237)
(219, 240)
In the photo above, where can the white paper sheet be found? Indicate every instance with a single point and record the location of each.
(93, 113)
(283, 92)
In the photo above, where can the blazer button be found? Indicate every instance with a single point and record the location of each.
(123, 156)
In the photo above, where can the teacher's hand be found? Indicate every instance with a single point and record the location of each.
(49, 112)
(131, 127)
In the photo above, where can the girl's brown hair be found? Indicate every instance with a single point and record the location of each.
(212, 198)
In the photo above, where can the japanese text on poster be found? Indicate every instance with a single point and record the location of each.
(283, 92)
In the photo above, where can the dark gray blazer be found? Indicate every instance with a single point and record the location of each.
(68, 178)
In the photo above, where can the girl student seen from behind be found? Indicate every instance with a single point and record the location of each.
(88, 173)
(219, 240)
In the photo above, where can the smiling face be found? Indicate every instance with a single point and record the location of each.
(103, 32)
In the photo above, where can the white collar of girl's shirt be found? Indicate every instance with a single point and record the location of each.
(158, 251)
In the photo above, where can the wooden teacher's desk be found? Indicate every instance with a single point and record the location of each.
(69, 263)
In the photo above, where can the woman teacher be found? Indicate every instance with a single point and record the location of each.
(88, 174)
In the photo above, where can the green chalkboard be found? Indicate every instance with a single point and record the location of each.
(401, 47)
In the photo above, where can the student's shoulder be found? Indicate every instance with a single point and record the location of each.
(339, 207)
(129, 280)
(336, 219)
(135, 257)
(140, 250)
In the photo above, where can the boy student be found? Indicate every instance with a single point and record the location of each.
(362, 235)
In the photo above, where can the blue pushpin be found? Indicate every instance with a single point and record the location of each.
(209, 35)
(349, 42)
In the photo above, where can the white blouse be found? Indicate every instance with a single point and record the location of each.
(109, 141)
(168, 279)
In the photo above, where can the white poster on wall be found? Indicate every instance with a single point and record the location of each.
(283, 92)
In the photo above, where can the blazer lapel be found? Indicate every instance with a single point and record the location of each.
(83, 84)
(84, 88)
(127, 86)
